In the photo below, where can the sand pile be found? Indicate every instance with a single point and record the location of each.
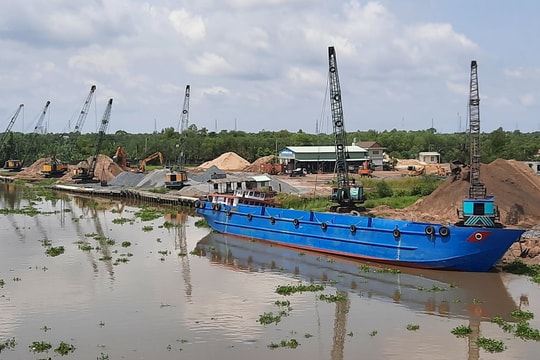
(229, 161)
(256, 165)
(33, 171)
(106, 169)
(515, 186)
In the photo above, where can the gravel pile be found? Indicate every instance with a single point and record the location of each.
(153, 179)
(204, 176)
(127, 178)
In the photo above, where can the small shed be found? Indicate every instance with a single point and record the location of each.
(229, 184)
(429, 157)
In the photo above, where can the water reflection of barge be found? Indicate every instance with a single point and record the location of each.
(478, 296)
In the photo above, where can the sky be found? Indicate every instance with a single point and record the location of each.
(255, 65)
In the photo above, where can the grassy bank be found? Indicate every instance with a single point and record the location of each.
(396, 192)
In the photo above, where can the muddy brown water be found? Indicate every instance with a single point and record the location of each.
(185, 293)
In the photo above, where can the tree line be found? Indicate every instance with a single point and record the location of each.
(195, 145)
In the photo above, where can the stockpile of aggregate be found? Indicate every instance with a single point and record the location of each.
(229, 161)
(127, 178)
(153, 179)
(206, 175)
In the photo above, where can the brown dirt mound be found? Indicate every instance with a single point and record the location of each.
(106, 169)
(515, 186)
(229, 161)
(256, 165)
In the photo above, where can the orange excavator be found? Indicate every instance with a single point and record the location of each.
(365, 170)
(156, 155)
(120, 158)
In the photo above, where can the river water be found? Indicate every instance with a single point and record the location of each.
(125, 288)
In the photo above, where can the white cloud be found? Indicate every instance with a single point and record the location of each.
(190, 27)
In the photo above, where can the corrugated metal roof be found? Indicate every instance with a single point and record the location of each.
(323, 149)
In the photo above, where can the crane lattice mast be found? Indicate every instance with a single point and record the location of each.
(336, 106)
(184, 124)
(477, 190)
(84, 110)
(100, 137)
(10, 125)
(39, 125)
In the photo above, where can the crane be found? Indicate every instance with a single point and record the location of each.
(39, 125)
(86, 175)
(347, 196)
(176, 179)
(84, 111)
(479, 209)
(12, 165)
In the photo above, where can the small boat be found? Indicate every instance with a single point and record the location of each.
(392, 241)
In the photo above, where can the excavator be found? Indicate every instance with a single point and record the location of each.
(365, 170)
(120, 158)
(348, 195)
(83, 175)
(156, 155)
(11, 165)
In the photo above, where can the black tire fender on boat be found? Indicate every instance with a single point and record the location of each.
(444, 231)
(218, 207)
(429, 230)
(249, 217)
(324, 226)
(272, 220)
(196, 203)
(202, 204)
(229, 213)
(396, 233)
(352, 228)
(296, 222)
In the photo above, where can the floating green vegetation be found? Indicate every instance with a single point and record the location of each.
(388, 271)
(433, 288)
(126, 244)
(164, 252)
(461, 330)
(45, 328)
(364, 268)
(106, 258)
(26, 210)
(522, 315)
(330, 298)
(525, 332)
(64, 348)
(46, 242)
(413, 327)
(201, 223)
(490, 345)
(518, 267)
(291, 344)
(373, 333)
(84, 246)
(2, 283)
(121, 260)
(291, 289)
(169, 225)
(122, 220)
(103, 356)
(269, 317)
(149, 214)
(147, 228)
(54, 251)
(40, 346)
(8, 344)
